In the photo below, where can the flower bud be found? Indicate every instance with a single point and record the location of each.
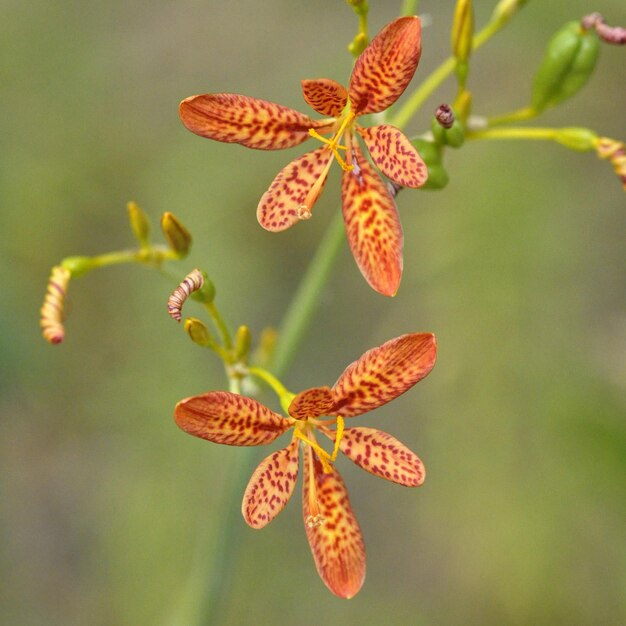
(358, 44)
(505, 10)
(139, 223)
(437, 178)
(453, 136)
(178, 237)
(567, 65)
(198, 332)
(243, 340)
(462, 30)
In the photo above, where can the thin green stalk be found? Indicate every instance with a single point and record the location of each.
(409, 7)
(519, 115)
(545, 134)
(220, 324)
(308, 297)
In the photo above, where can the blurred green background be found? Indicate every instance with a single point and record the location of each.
(110, 514)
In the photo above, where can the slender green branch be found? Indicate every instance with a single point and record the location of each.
(308, 296)
(526, 113)
(409, 7)
(549, 134)
(220, 324)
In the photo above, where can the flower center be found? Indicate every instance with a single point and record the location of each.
(304, 431)
(333, 142)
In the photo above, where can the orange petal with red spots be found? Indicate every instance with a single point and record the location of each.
(312, 403)
(332, 529)
(386, 66)
(394, 155)
(251, 122)
(325, 96)
(271, 486)
(228, 418)
(372, 225)
(294, 191)
(381, 454)
(384, 373)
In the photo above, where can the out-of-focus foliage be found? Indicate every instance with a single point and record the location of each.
(517, 266)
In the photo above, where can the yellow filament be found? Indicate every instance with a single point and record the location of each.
(322, 455)
(338, 437)
(334, 144)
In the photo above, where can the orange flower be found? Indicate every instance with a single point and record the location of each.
(380, 75)
(378, 376)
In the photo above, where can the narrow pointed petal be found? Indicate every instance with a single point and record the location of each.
(312, 403)
(394, 155)
(381, 454)
(384, 373)
(372, 225)
(251, 122)
(386, 66)
(294, 191)
(228, 418)
(271, 486)
(332, 529)
(325, 96)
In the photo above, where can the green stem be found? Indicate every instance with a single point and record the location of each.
(278, 388)
(546, 134)
(220, 324)
(519, 115)
(409, 7)
(308, 296)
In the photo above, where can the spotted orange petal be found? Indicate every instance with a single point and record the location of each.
(326, 96)
(271, 486)
(294, 191)
(384, 373)
(386, 66)
(228, 418)
(372, 225)
(312, 403)
(394, 155)
(381, 454)
(251, 122)
(332, 529)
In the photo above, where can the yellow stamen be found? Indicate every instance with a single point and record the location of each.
(333, 143)
(322, 455)
(338, 437)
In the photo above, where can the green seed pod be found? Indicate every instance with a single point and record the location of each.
(178, 237)
(78, 265)
(569, 61)
(437, 178)
(429, 151)
(453, 136)
(581, 139)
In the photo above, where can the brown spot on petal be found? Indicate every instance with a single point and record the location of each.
(384, 373)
